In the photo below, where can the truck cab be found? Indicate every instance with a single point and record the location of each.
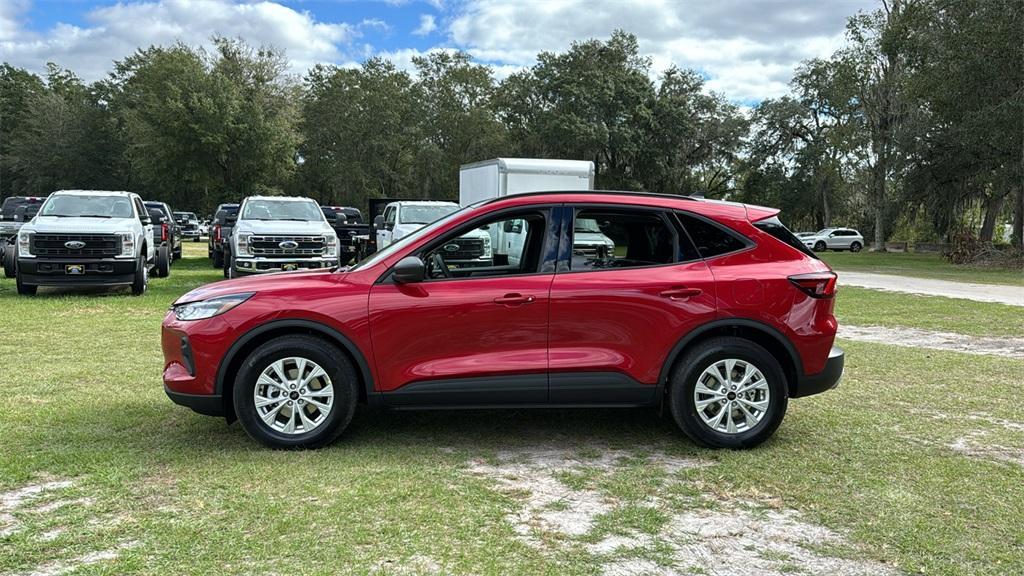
(403, 218)
(84, 238)
(279, 234)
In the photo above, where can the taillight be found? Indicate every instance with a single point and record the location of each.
(816, 284)
(163, 232)
(216, 233)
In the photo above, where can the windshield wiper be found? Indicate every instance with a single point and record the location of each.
(95, 216)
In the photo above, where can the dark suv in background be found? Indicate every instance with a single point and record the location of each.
(167, 233)
(224, 218)
(14, 212)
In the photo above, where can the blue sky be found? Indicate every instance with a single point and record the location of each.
(747, 49)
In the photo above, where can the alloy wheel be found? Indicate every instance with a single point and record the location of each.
(731, 396)
(293, 395)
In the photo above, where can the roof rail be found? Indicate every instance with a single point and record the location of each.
(610, 192)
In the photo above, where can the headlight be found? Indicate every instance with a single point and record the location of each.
(127, 244)
(242, 245)
(331, 247)
(24, 244)
(487, 246)
(209, 308)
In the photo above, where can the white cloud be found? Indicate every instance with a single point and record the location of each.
(11, 12)
(427, 25)
(118, 30)
(747, 49)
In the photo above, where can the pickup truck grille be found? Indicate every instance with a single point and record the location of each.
(271, 245)
(463, 249)
(96, 245)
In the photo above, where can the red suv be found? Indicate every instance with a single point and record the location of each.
(596, 299)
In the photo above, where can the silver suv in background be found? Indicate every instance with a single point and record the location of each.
(280, 234)
(834, 239)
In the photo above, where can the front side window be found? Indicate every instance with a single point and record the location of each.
(389, 216)
(621, 238)
(425, 214)
(87, 206)
(508, 245)
(267, 209)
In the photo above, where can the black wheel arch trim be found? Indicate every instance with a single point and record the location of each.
(707, 327)
(318, 327)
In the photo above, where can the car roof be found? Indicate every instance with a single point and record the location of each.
(94, 193)
(285, 198)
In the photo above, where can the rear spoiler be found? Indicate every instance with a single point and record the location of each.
(757, 213)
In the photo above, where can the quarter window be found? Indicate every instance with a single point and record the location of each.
(710, 239)
(617, 238)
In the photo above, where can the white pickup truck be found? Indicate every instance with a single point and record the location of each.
(403, 218)
(280, 234)
(86, 238)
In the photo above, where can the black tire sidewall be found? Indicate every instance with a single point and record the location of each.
(141, 281)
(856, 247)
(820, 246)
(684, 380)
(339, 369)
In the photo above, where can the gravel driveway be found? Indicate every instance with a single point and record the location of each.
(1003, 294)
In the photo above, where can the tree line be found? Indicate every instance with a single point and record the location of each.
(913, 130)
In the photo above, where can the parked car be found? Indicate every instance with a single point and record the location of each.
(347, 223)
(224, 218)
(834, 239)
(279, 234)
(712, 310)
(188, 225)
(88, 237)
(403, 218)
(14, 212)
(167, 231)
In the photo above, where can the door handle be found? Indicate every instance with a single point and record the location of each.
(514, 299)
(681, 293)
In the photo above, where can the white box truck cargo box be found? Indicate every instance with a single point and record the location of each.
(506, 176)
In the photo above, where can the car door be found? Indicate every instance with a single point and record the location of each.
(617, 311)
(384, 233)
(147, 229)
(469, 334)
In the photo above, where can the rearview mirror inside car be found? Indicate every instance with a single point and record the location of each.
(409, 270)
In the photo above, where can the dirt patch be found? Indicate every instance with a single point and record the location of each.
(58, 567)
(1008, 347)
(729, 537)
(416, 564)
(975, 445)
(14, 500)
(1003, 294)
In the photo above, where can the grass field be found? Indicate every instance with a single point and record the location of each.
(921, 265)
(914, 464)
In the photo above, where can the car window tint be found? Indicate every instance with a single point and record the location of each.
(777, 229)
(710, 239)
(508, 245)
(620, 238)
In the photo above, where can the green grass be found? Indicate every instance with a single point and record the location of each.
(82, 399)
(921, 265)
(866, 307)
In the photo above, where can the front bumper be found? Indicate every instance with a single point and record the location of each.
(208, 405)
(94, 271)
(827, 379)
(190, 234)
(259, 265)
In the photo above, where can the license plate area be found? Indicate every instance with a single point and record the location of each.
(74, 269)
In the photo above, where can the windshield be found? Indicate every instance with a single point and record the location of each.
(88, 206)
(184, 216)
(282, 210)
(425, 214)
(405, 241)
(586, 225)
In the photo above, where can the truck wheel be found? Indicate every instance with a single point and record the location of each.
(10, 261)
(141, 281)
(25, 289)
(728, 392)
(218, 259)
(295, 391)
(177, 254)
(163, 263)
(196, 239)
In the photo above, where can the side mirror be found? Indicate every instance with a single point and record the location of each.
(410, 270)
(378, 221)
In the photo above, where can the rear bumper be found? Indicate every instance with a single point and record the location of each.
(208, 405)
(827, 379)
(96, 272)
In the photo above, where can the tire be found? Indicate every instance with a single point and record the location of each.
(141, 281)
(819, 246)
(163, 263)
(856, 247)
(25, 289)
(691, 368)
(10, 261)
(177, 254)
(229, 266)
(342, 379)
(218, 259)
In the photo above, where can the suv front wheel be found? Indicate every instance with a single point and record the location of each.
(728, 392)
(295, 392)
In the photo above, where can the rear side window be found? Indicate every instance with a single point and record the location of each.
(621, 238)
(710, 239)
(777, 229)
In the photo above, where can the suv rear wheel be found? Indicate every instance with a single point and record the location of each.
(295, 392)
(728, 392)
(856, 246)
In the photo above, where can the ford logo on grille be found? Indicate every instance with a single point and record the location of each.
(451, 247)
(288, 245)
(74, 244)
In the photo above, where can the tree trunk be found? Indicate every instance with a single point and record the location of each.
(878, 173)
(993, 206)
(1018, 217)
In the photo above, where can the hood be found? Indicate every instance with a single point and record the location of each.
(590, 238)
(75, 225)
(282, 227)
(259, 283)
